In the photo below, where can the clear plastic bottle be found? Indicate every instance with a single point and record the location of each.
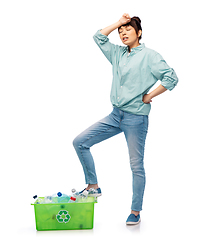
(62, 198)
(83, 196)
(93, 193)
(48, 199)
(76, 195)
(55, 198)
(38, 200)
(74, 192)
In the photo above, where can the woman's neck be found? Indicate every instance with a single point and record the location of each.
(134, 45)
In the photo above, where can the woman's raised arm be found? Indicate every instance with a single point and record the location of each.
(123, 20)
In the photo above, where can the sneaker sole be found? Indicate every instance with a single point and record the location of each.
(133, 223)
(95, 195)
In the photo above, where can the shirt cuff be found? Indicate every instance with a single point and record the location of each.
(168, 84)
(101, 37)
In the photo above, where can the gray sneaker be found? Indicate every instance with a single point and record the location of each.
(92, 192)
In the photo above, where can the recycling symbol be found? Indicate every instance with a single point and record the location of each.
(63, 216)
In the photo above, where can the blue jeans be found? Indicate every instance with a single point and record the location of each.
(135, 131)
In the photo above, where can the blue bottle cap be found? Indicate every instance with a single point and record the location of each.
(59, 194)
(35, 196)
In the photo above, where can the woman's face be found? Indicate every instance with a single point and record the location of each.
(128, 35)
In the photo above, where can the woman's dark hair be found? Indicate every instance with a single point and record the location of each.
(135, 23)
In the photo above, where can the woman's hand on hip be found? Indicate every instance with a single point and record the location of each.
(147, 98)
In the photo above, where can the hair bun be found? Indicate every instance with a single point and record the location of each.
(137, 19)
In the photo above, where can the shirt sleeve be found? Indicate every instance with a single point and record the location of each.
(105, 45)
(163, 72)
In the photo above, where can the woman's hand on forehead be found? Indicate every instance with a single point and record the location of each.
(125, 18)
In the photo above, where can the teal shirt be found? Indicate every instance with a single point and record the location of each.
(134, 74)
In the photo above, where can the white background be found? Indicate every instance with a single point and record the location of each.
(55, 82)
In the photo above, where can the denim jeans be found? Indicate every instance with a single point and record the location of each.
(135, 131)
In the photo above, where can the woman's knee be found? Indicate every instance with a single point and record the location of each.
(76, 142)
(137, 166)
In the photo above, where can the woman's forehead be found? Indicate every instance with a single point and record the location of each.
(125, 26)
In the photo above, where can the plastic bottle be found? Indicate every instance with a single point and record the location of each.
(83, 196)
(76, 195)
(74, 192)
(38, 200)
(72, 200)
(93, 193)
(62, 198)
(48, 199)
(55, 198)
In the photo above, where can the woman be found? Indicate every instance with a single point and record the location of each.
(135, 70)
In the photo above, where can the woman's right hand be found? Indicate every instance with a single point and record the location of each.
(125, 18)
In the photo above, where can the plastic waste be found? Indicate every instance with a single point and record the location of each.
(62, 198)
(93, 193)
(80, 197)
(74, 192)
(72, 200)
(83, 196)
(48, 199)
(76, 195)
(38, 200)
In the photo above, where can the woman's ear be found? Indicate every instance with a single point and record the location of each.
(139, 33)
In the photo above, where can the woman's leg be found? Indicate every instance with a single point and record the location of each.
(135, 130)
(98, 132)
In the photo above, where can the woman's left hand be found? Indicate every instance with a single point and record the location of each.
(147, 99)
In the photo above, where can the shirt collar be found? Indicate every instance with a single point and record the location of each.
(137, 49)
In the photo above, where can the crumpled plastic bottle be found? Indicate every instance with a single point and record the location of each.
(62, 198)
(80, 197)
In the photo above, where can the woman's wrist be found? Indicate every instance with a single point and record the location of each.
(119, 23)
(150, 95)
(106, 31)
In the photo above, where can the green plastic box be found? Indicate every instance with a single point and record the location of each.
(65, 216)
